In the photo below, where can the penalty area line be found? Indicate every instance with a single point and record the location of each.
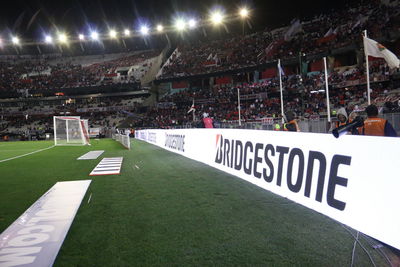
(27, 154)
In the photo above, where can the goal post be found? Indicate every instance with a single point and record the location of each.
(71, 130)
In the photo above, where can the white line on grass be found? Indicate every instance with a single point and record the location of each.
(90, 197)
(27, 154)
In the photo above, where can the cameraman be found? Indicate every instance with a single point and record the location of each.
(376, 126)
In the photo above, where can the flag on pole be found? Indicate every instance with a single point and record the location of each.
(280, 69)
(281, 89)
(329, 32)
(192, 108)
(294, 28)
(375, 49)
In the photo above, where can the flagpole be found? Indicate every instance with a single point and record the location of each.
(327, 91)
(194, 110)
(240, 118)
(367, 68)
(280, 86)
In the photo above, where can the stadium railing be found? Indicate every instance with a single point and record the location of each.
(123, 139)
(320, 125)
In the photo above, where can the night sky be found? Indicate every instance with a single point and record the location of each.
(32, 19)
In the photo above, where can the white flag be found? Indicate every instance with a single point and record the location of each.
(375, 49)
(192, 108)
(329, 32)
(293, 29)
(280, 69)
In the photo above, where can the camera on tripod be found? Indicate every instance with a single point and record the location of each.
(344, 129)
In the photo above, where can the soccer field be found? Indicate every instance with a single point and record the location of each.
(167, 210)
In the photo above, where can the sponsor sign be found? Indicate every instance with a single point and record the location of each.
(352, 179)
(35, 238)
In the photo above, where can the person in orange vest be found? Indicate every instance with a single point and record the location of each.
(376, 126)
(291, 124)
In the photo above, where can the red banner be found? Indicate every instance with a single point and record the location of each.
(326, 39)
(224, 80)
(317, 65)
(179, 85)
(269, 73)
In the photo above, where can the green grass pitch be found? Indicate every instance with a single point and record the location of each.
(172, 211)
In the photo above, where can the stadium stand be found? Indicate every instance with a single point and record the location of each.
(338, 29)
(209, 73)
(38, 74)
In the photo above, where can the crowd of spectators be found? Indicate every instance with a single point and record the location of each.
(303, 95)
(41, 75)
(35, 117)
(337, 29)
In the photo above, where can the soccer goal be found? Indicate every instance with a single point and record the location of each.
(70, 130)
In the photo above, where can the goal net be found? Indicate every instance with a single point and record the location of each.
(70, 130)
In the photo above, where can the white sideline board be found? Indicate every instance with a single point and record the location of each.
(352, 179)
(35, 238)
(108, 166)
(91, 155)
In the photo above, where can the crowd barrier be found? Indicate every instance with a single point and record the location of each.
(352, 179)
(123, 139)
(320, 125)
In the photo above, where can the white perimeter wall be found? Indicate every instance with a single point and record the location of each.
(354, 179)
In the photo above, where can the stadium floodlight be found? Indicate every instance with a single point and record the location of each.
(15, 40)
(180, 25)
(127, 32)
(112, 34)
(94, 36)
(48, 39)
(144, 30)
(192, 23)
(62, 38)
(160, 28)
(244, 12)
(81, 37)
(217, 17)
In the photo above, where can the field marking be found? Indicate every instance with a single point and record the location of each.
(27, 154)
(91, 155)
(108, 166)
(52, 214)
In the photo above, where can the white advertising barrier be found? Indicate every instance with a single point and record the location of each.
(123, 139)
(35, 238)
(353, 179)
